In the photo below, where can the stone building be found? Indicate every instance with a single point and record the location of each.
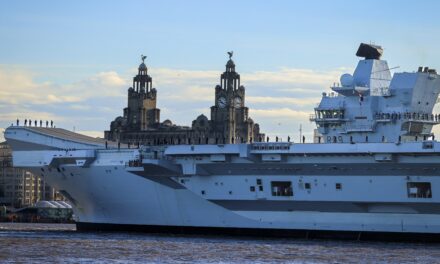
(229, 121)
(19, 188)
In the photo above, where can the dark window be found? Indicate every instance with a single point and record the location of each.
(281, 188)
(203, 192)
(258, 181)
(307, 186)
(230, 192)
(419, 190)
(338, 186)
(252, 188)
(260, 188)
(427, 145)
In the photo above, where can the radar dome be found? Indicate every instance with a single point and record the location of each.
(346, 80)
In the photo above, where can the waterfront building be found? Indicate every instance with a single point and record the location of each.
(18, 187)
(229, 121)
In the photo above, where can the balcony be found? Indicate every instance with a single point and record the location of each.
(359, 128)
(346, 91)
(327, 119)
(424, 118)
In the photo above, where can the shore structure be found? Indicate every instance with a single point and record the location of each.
(18, 187)
(229, 122)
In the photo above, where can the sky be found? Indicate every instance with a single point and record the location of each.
(73, 61)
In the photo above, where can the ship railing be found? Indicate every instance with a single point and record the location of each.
(433, 122)
(332, 94)
(271, 146)
(359, 128)
(329, 104)
(314, 118)
(407, 116)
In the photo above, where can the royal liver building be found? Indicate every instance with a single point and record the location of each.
(229, 122)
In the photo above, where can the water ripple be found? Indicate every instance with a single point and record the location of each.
(52, 243)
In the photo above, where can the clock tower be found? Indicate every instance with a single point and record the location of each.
(229, 122)
(229, 116)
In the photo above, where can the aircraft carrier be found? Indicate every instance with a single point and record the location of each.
(373, 172)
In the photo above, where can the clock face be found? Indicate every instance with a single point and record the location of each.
(237, 102)
(221, 102)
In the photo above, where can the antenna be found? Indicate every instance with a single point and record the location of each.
(300, 133)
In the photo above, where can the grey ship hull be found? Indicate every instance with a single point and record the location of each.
(229, 189)
(262, 232)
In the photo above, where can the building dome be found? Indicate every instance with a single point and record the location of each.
(230, 64)
(142, 67)
(167, 123)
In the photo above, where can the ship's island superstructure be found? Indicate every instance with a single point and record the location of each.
(374, 172)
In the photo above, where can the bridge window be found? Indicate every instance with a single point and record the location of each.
(281, 188)
(419, 190)
(336, 113)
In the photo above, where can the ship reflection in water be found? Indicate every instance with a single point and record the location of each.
(49, 243)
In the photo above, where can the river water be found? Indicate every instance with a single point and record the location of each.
(58, 243)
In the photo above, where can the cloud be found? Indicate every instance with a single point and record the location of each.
(294, 77)
(51, 98)
(164, 76)
(91, 133)
(29, 115)
(279, 113)
(80, 107)
(189, 93)
(293, 102)
(19, 87)
(285, 97)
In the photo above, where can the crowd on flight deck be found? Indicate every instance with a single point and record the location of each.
(28, 122)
